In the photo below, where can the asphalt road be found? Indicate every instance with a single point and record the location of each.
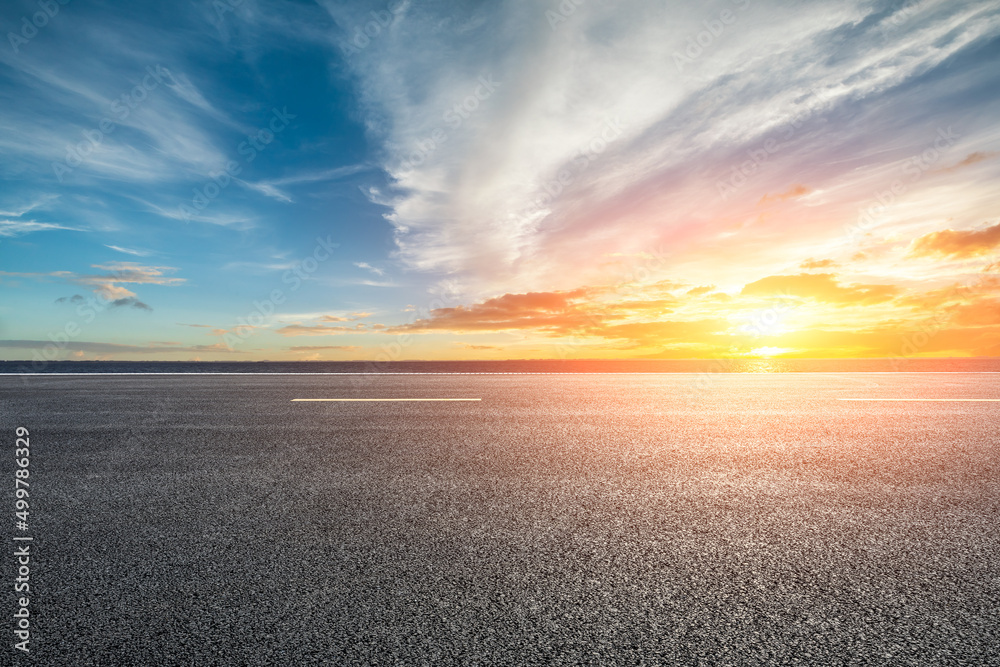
(584, 519)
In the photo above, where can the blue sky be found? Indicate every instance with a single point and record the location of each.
(500, 179)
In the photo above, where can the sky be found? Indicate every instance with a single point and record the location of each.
(395, 180)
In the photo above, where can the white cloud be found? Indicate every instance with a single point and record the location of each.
(11, 228)
(18, 211)
(273, 187)
(368, 267)
(603, 102)
(128, 251)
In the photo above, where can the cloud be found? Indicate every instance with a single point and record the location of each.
(660, 333)
(109, 285)
(972, 158)
(113, 348)
(349, 317)
(162, 137)
(556, 312)
(314, 348)
(12, 228)
(75, 299)
(273, 188)
(128, 251)
(43, 276)
(129, 272)
(951, 243)
(268, 190)
(130, 302)
(794, 192)
(237, 221)
(124, 302)
(18, 211)
(375, 283)
(519, 153)
(818, 264)
(369, 267)
(821, 287)
(299, 329)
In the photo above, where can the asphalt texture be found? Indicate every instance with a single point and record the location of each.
(584, 519)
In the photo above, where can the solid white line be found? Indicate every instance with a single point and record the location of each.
(921, 400)
(362, 400)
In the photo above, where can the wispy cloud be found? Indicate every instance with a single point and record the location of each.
(116, 348)
(368, 267)
(18, 211)
(128, 251)
(600, 136)
(963, 243)
(274, 188)
(124, 302)
(108, 285)
(299, 329)
(11, 228)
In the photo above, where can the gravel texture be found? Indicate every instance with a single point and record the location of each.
(563, 520)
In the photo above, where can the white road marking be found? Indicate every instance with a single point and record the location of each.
(362, 400)
(921, 400)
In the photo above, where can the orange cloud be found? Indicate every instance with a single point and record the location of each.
(818, 264)
(981, 313)
(657, 333)
(299, 329)
(339, 318)
(792, 193)
(821, 287)
(953, 243)
(972, 158)
(546, 311)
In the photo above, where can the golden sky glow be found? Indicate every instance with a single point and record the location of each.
(816, 181)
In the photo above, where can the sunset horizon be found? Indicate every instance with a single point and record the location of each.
(469, 181)
(500, 332)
